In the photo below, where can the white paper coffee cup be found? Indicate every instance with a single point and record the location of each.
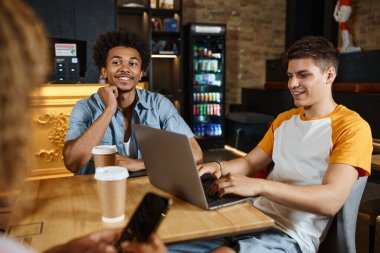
(112, 186)
(104, 155)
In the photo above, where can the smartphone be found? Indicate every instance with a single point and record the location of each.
(145, 220)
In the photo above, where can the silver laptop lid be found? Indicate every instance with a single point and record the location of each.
(170, 164)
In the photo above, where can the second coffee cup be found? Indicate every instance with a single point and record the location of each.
(104, 155)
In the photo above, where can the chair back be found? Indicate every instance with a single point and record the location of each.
(341, 235)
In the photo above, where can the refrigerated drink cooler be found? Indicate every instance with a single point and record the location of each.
(204, 83)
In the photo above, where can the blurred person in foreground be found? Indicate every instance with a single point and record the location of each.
(24, 62)
(106, 117)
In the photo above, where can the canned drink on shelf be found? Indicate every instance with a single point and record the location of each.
(195, 65)
(217, 55)
(202, 97)
(208, 65)
(197, 97)
(200, 65)
(205, 78)
(198, 78)
(214, 65)
(217, 97)
(200, 112)
(211, 78)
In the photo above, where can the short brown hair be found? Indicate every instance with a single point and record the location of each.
(318, 48)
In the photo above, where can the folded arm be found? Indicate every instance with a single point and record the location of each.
(77, 152)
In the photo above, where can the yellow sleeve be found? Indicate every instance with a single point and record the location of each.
(352, 143)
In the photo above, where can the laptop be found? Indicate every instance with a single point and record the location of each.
(171, 167)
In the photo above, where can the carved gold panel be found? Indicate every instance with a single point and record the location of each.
(50, 110)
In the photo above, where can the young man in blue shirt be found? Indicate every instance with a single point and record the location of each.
(105, 118)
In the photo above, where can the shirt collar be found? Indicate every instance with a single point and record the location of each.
(142, 99)
(99, 101)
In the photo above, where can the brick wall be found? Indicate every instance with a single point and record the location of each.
(365, 24)
(255, 33)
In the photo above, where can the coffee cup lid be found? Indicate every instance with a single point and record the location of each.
(111, 173)
(104, 149)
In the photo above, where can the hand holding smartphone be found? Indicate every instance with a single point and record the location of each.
(145, 220)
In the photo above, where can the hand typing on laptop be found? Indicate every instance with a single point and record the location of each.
(227, 183)
(208, 182)
(211, 190)
(213, 168)
(230, 184)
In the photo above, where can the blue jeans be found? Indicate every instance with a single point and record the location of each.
(268, 241)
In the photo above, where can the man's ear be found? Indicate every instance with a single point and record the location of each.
(103, 72)
(331, 75)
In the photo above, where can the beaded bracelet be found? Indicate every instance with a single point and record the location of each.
(220, 167)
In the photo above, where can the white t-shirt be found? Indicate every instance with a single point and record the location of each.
(302, 148)
(130, 149)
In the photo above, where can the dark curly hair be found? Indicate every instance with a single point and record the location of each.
(109, 40)
(318, 48)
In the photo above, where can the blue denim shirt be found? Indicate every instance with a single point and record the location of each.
(152, 109)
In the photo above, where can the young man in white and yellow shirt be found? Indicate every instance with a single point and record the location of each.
(319, 149)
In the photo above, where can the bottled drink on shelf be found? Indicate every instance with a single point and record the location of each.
(195, 51)
(208, 130)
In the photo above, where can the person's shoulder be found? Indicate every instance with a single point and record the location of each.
(90, 103)
(92, 98)
(346, 118)
(343, 114)
(150, 96)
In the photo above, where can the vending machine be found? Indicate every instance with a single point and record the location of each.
(204, 82)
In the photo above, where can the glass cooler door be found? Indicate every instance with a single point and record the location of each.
(206, 66)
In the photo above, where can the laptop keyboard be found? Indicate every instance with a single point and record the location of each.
(214, 200)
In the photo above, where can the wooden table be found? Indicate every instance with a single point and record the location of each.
(375, 165)
(53, 211)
